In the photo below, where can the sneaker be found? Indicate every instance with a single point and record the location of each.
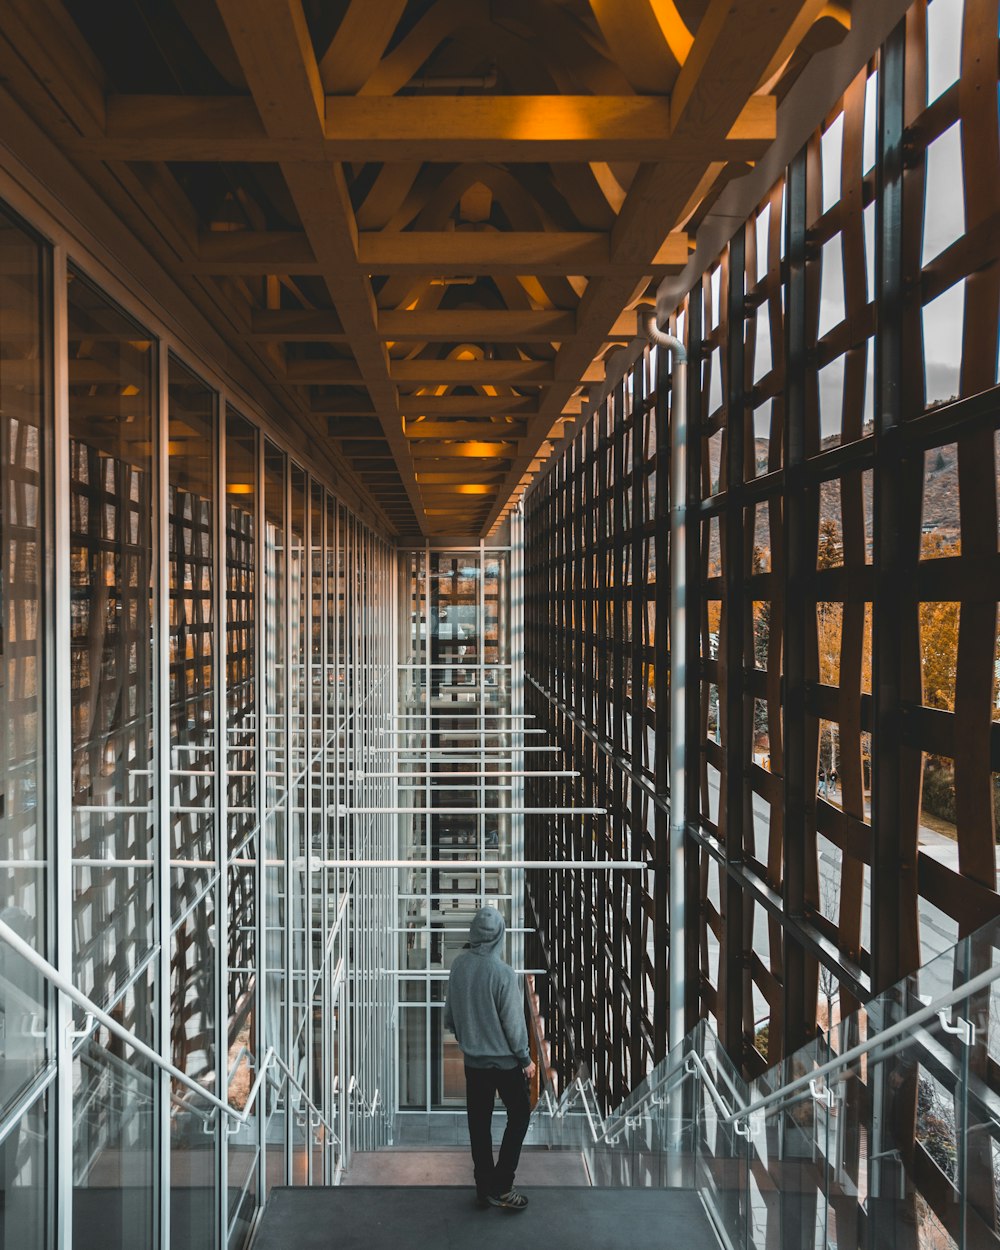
(512, 1200)
(483, 1200)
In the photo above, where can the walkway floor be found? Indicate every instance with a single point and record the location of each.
(440, 1218)
(454, 1168)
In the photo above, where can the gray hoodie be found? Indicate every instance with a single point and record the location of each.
(484, 1006)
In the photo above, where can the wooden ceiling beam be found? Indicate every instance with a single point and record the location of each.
(481, 430)
(483, 325)
(540, 252)
(544, 128)
(471, 476)
(438, 253)
(323, 373)
(451, 451)
(732, 49)
(435, 373)
(483, 372)
(272, 43)
(291, 325)
(472, 372)
(467, 405)
(474, 325)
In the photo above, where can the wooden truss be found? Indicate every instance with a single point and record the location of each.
(422, 216)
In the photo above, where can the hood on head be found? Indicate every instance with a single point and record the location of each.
(486, 931)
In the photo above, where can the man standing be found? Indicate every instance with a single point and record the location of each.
(484, 1010)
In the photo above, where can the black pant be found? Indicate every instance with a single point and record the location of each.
(481, 1086)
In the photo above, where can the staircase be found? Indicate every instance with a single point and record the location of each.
(884, 1133)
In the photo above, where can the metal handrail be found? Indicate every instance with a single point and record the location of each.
(62, 983)
(693, 1062)
(980, 982)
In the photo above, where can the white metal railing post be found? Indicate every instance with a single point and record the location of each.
(678, 674)
(221, 998)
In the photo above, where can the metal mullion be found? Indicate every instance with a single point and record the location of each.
(638, 612)
(734, 946)
(895, 940)
(693, 593)
(481, 685)
(326, 1060)
(161, 870)
(222, 913)
(661, 651)
(261, 739)
(431, 590)
(515, 642)
(59, 751)
(616, 786)
(799, 563)
(285, 1047)
(305, 1029)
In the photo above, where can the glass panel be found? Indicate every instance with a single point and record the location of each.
(275, 762)
(113, 1143)
(23, 845)
(112, 502)
(191, 538)
(192, 1139)
(243, 1139)
(25, 1181)
(299, 730)
(242, 796)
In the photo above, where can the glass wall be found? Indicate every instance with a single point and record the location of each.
(116, 766)
(25, 845)
(198, 647)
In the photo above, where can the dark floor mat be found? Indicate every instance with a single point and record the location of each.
(404, 1218)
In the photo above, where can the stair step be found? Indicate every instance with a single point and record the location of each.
(444, 1218)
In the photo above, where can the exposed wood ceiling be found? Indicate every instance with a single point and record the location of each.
(428, 221)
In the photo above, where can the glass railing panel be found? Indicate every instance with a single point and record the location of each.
(194, 1134)
(717, 1144)
(298, 1110)
(275, 1096)
(23, 1013)
(979, 1130)
(114, 1144)
(242, 1147)
(24, 1179)
(791, 1146)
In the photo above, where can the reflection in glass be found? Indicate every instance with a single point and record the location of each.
(241, 730)
(112, 502)
(24, 1180)
(276, 787)
(23, 386)
(113, 1143)
(191, 537)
